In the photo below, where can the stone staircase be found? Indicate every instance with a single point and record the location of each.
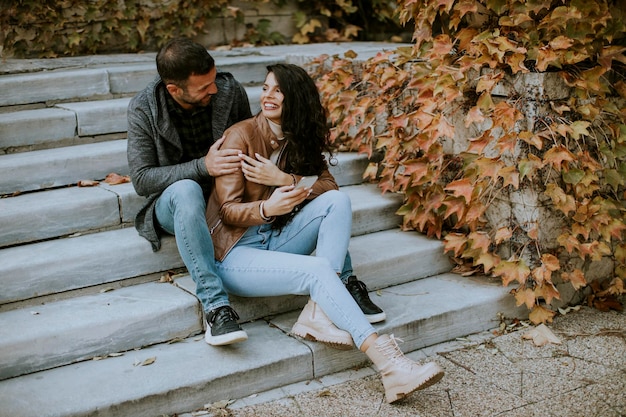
(87, 325)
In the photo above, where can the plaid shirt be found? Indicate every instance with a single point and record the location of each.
(193, 127)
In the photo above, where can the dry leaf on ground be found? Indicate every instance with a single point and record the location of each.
(541, 335)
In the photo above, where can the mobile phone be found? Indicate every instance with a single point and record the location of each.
(306, 182)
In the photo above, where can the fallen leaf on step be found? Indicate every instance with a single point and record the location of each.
(115, 179)
(147, 362)
(87, 183)
(541, 335)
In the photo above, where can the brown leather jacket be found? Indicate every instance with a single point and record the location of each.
(234, 203)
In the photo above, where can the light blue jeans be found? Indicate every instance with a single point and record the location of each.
(180, 211)
(268, 262)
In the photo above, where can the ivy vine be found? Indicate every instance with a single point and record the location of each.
(457, 150)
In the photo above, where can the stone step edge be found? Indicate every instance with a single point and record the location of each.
(61, 167)
(123, 319)
(175, 377)
(39, 216)
(69, 123)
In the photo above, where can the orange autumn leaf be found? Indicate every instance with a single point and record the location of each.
(455, 242)
(547, 291)
(557, 155)
(551, 262)
(478, 144)
(510, 176)
(474, 115)
(531, 139)
(561, 42)
(480, 241)
(115, 179)
(487, 260)
(525, 296)
(576, 278)
(461, 188)
(533, 232)
(540, 314)
(454, 206)
(502, 234)
(512, 270)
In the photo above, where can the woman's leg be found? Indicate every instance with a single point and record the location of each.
(324, 225)
(250, 271)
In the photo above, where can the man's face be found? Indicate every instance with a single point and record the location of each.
(197, 92)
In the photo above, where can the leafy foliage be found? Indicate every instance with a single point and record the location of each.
(458, 148)
(34, 28)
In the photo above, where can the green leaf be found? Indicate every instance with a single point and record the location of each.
(573, 176)
(614, 178)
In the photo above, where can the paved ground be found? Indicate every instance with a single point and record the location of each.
(486, 375)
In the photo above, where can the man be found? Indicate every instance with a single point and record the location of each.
(174, 136)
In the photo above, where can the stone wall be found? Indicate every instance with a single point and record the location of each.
(221, 31)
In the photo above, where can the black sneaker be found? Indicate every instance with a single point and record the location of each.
(223, 328)
(358, 290)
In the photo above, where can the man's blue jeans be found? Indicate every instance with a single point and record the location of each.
(180, 211)
(268, 262)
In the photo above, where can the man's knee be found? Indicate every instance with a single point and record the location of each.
(186, 189)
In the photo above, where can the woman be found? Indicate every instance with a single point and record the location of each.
(264, 228)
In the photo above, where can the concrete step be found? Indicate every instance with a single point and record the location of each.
(42, 336)
(100, 258)
(68, 79)
(58, 126)
(173, 377)
(66, 166)
(108, 81)
(60, 212)
(59, 167)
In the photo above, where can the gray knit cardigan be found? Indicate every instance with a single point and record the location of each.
(155, 151)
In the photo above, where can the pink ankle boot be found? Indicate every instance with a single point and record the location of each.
(313, 324)
(401, 376)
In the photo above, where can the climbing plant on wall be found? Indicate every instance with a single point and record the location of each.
(468, 142)
(34, 28)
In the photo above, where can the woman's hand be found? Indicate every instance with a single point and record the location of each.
(263, 171)
(221, 161)
(284, 199)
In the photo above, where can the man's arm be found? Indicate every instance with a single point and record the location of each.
(149, 171)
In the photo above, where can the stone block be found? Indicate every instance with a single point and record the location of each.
(100, 117)
(52, 85)
(533, 86)
(36, 216)
(33, 127)
(131, 79)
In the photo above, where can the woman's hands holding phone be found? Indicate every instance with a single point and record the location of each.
(284, 199)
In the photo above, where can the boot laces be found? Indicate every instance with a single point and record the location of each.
(392, 351)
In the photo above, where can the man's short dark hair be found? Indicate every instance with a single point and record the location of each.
(180, 58)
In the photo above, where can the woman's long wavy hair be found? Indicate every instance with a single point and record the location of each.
(304, 122)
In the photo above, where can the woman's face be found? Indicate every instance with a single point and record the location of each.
(272, 99)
